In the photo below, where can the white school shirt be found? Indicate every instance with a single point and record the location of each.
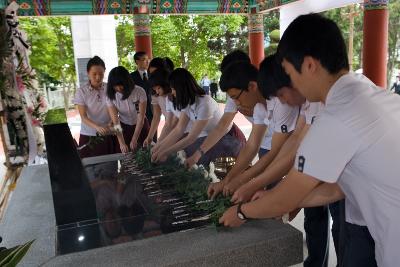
(169, 108)
(95, 104)
(126, 108)
(355, 142)
(204, 108)
(281, 118)
(258, 112)
(161, 101)
(310, 111)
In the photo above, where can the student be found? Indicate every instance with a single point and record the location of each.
(228, 116)
(274, 82)
(159, 83)
(203, 112)
(359, 126)
(161, 63)
(141, 76)
(122, 97)
(239, 80)
(90, 101)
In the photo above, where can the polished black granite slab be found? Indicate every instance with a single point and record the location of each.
(107, 200)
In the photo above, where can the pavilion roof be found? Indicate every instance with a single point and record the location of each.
(99, 7)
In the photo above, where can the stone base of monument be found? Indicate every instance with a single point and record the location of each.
(30, 215)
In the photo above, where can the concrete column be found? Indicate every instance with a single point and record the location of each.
(93, 36)
(375, 40)
(256, 39)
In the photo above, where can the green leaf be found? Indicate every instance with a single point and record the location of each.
(20, 253)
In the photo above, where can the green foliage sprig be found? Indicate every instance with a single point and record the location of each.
(189, 183)
(10, 257)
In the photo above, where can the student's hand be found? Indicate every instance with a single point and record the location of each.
(147, 142)
(133, 145)
(124, 148)
(230, 218)
(214, 189)
(232, 186)
(160, 157)
(244, 193)
(102, 130)
(189, 162)
(259, 194)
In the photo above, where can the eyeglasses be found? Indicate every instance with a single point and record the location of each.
(238, 96)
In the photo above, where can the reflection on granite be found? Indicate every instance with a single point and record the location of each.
(130, 205)
(72, 196)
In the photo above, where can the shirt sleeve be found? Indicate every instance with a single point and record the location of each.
(139, 94)
(260, 114)
(109, 102)
(230, 106)
(79, 98)
(169, 107)
(284, 117)
(205, 109)
(154, 100)
(324, 153)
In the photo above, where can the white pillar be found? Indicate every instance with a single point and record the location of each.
(94, 36)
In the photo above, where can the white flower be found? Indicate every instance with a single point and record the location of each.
(195, 167)
(212, 176)
(181, 156)
(285, 218)
(117, 128)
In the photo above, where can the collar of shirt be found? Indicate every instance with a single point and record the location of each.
(341, 88)
(91, 87)
(141, 73)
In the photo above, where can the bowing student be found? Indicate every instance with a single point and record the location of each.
(203, 113)
(90, 100)
(122, 98)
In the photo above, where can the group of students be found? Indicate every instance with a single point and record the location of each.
(119, 111)
(326, 138)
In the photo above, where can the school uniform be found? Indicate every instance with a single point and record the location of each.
(169, 108)
(354, 142)
(205, 108)
(316, 219)
(160, 101)
(95, 103)
(128, 114)
(278, 117)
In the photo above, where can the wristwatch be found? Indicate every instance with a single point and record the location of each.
(240, 214)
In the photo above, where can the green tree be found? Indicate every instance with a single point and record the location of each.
(340, 16)
(195, 42)
(52, 51)
(271, 31)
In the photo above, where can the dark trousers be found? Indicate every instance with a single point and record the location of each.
(213, 94)
(128, 131)
(360, 247)
(316, 226)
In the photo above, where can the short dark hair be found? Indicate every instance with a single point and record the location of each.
(186, 87)
(271, 77)
(120, 76)
(138, 55)
(316, 36)
(160, 78)
(162, 63)
(234, 56)
(95, 61)
(238, 75)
